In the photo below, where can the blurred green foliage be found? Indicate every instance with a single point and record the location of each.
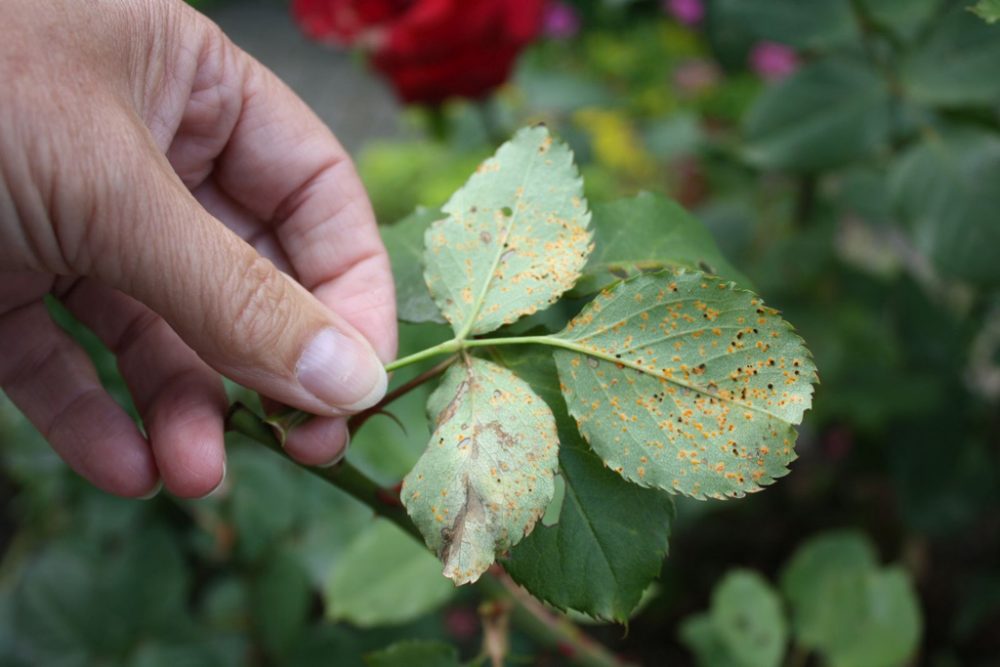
(859, 194)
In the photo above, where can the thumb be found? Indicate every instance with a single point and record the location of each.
(244, 317)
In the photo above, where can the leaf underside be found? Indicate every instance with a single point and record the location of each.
(487, 474)
(515, 237)
(686, 383)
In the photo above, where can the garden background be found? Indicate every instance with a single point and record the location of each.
(845, 157)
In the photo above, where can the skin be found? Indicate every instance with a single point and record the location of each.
(188, 208)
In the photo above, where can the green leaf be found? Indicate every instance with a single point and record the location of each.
(846, 608)
(802, 580)
(905, 18)
(404, 241)
(823, 116)
(874, 620)
(745, 626)
(957, 65)
(516, 236)
(811, 24)
(700, 635)
(263, 501)
(487, 474)
(214, 652)
(560, 91)
(648, 232)
(401, 175)
(601, 555)
(141, 584)
(686, 383)
(945, 189)
(329, 644)
(987, 10)
(384, 577)
(280, 595)
(748, 616)
(414, 654)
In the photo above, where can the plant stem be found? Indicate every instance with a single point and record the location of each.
(355, 422)
(551, 341)
(458, 344)
(344, 476)
(447, 347)
(534, 618)
(549, 627)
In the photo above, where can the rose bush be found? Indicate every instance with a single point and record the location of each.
(429, 50)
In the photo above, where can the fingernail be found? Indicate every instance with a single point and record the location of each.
(222, 482)
(340, 455)
(341, 372)
(152, 494)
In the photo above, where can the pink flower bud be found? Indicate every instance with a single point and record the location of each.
(773, 61)
(688, 12)
(561, 20)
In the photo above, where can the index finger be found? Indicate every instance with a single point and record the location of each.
(268, 152)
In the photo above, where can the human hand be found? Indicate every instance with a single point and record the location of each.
(138, 146)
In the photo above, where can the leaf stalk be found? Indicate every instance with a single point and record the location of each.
(344, 476)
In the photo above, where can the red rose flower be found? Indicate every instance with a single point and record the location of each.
(429, 49)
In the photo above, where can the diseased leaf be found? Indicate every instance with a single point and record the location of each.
(404, 241)
(384, 577)
(649, 232)
(611, 537)
(412, 653)
(957, 64)
(848, 609)
(686, 383)
(823, 116)
(487, 474)
(516, 236)
(945, 189)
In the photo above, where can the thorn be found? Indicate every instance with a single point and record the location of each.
(400, 424)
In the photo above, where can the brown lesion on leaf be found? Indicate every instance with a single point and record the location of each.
(504, 439)
(453, 537)
(448, 413)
